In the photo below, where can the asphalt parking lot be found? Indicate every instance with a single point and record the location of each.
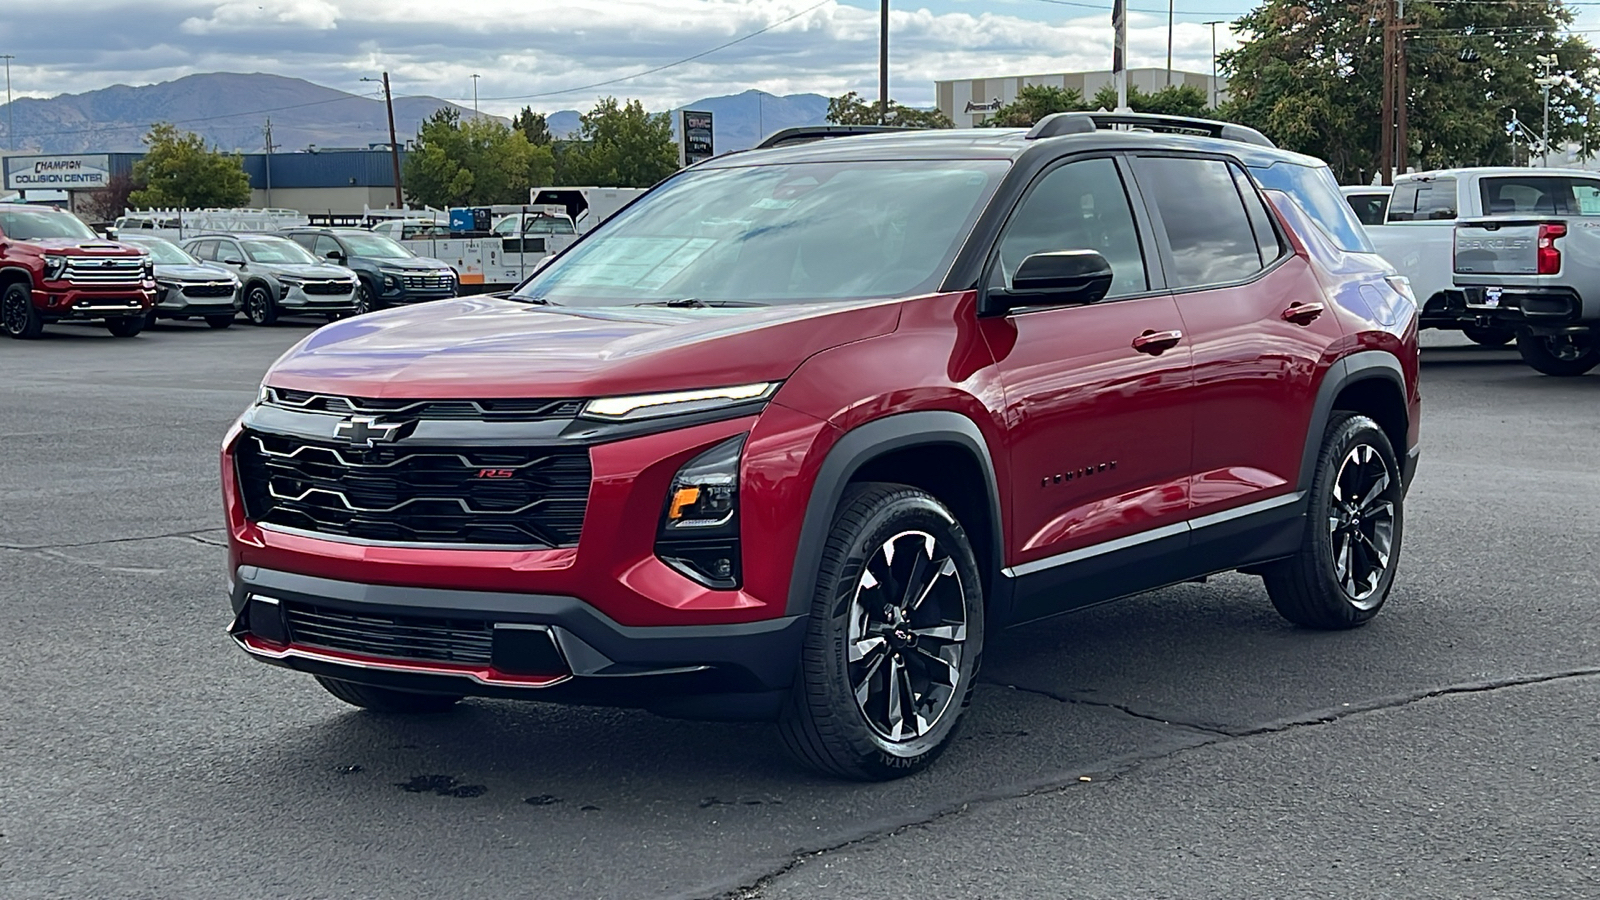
(1183, 744)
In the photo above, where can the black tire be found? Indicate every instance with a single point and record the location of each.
(151, 317)
(1344, 569)
(1488, 335)
(220, 322)
(259, 306)
(366, 299)
(387, 700)
(18, 316)
(125, 326)
(1562, 355)
(824, 725)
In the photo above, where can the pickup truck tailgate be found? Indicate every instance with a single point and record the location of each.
(1499, 246)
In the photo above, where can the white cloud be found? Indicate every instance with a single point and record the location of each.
(247, 15)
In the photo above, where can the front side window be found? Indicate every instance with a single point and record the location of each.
(1369, 208)
(1207, 228)
(326, 245)
(1433, 200)
(304, 240)
(38, 225)
(773, 234)
(203, 250)
(1079, 206)
(276, 252)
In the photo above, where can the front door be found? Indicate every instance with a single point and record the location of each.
(1095, 402)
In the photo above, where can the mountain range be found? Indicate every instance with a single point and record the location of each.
(231, 111)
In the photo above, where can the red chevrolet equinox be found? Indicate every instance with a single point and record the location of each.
(790, 435)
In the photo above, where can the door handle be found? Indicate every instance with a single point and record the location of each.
(1302, 313)
(1157, 342)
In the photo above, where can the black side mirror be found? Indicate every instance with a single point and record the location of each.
(231, 261)
(335, 255)
(1060, 277)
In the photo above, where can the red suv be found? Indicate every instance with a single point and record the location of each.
(787, 436)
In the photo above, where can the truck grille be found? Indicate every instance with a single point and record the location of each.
(512, 410)
(323, 288)
(218, 289)
(397, 637)
(105, 270)
(428, 282)
(497, 495)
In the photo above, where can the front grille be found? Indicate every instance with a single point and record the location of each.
(512, 410)
(464, 641)
(495, 495)
(428, 282)
(323, 288)
(114, 270)
(218, 289)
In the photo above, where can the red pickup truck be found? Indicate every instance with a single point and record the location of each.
(55, 268)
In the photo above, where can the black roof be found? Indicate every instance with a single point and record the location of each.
(1070, 131)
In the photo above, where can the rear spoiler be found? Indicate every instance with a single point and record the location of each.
(1058, 124)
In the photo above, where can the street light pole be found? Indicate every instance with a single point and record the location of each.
(883, 64)
(1214, 91)
(11, 131)
(474, 96)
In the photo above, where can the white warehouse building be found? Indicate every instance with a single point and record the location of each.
(969, 101)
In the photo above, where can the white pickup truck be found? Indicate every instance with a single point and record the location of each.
(1417, 234)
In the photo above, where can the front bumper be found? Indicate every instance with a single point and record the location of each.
(293, 299)
(712, 671)
(172, 301)
(68, 303)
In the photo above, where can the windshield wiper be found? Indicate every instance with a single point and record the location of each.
(697, 303)
(535, 299)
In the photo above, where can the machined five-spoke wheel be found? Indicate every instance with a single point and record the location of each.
(1346, 563)
(895, 637)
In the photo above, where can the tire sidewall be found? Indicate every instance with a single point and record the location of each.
(1341, 440)
(258, 292)
(13, 295)
(904, 511)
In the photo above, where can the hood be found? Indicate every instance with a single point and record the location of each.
(420, 263)
(80, 247)
(305, 270)
(485, 347)
(170, 272)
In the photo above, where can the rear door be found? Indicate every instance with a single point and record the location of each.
(1259, 329)
(1095, 401)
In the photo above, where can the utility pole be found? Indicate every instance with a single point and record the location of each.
(1401, 98)
(11, 131)
(1386, 104)
(1546, 82)
(474, 96)
(394, 145)
(268, 160)
(1170, 4)
(883, 64)
(1119, 52)
(1214, 91)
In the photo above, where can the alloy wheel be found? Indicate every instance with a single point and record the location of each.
(1361, 523)
(257, 306)
(1566, 348)
(907, 636)
(15, 313)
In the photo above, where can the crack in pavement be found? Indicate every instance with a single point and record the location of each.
(193, 534)
(1115, 767)
(1106, 704)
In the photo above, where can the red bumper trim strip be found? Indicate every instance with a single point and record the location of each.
(481, 674)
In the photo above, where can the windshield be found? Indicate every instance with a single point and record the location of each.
(375, 245)
(164, 253)
(33, 225)
(778, 234)
(541, 225)
(279, 251)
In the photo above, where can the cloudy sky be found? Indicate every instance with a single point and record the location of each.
(547, 54)
(550, 54)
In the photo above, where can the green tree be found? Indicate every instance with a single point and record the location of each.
(619, 145)
(850, 109)
(180, 171)
(476, 162)
(1311, 76)
(1173, 100)
(1034, 102)
(533, 126)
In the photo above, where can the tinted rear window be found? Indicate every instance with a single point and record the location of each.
(1540, 195)
(1317, 192)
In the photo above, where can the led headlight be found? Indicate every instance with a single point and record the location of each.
(699, 531)
(54, 267)
(149, 268)
(649, 406)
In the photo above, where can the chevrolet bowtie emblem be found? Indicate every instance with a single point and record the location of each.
(364, 431)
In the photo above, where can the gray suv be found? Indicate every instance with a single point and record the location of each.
(185, 287)
(280, 277)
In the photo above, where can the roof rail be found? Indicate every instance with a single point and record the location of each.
(807, 133)
(1058, 124)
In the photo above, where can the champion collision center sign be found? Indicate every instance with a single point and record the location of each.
(58, 173)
